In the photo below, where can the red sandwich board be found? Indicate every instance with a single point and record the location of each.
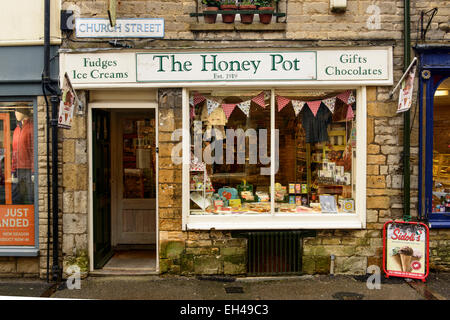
(406, 249)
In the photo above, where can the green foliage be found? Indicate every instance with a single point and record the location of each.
(211, 3)
(264, 3)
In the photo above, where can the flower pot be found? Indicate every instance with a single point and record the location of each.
(228, 18)
(210, 18)
(247, 17)
(265, 17)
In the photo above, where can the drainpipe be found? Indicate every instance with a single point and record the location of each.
(406, 115)
(56, 273)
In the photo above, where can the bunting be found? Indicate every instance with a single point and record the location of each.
(330, 103)
(211, 105)
(350, 113)
(245, 107)
(282, 102)
(298, 106)
(228, 109)
(314, 106)
(346, 97)
(198, 98)
(260, 100)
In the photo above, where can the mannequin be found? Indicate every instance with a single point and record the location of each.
(22, 169)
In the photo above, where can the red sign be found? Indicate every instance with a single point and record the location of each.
(406, 249)
(17, 225)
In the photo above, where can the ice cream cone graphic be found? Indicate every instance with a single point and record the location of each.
(406, 262)
(406, 257)
(396, 262)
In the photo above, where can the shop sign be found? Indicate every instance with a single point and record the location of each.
(100, 68)
(17, 225)
(320, 65)
(124, 28)
(226, 66)
(69, 101)
(406, 249)
(363, 66)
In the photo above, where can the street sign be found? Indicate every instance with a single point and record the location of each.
(406, 249)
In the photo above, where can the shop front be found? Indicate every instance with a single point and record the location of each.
(21, 140)
(434, 86)
(185, 147)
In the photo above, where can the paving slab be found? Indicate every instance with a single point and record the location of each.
(21, 287)
(293, 288)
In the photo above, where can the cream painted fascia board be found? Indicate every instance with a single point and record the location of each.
(18, 43)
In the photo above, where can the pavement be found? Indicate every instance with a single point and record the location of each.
(318, 287)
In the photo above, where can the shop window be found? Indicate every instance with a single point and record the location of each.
(272, 152)
(17, 176)
(441, 149)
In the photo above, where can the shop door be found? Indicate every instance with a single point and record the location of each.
(136, 179)
(101, 187)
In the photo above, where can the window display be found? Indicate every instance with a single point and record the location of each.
(17, 176)
(233, 171)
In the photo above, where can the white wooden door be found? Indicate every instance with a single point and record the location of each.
(136, 179)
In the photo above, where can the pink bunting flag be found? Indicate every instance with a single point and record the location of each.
(282, 102)
(344, 96)
(314, 106)
(192, 113)
(350, 113)
(198, 98)
(228, 109)
(260, 100)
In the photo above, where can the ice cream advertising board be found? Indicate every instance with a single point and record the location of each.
(405, 251)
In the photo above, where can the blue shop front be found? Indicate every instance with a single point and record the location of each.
(434, 134)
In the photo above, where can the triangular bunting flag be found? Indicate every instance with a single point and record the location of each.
(228, 109)
(314, 106)
(350, 113)
(330, 103)
(298, 106)
(191, 100)
(344, 96)
(245, 107)
(211, 105)
(351, 98)
(260, 100)
(282, 102)
(198, 98)
(192, 113)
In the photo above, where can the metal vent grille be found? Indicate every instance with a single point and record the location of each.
(274, 253)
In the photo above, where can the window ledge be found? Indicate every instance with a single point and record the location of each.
(279, 221)
(237, 26)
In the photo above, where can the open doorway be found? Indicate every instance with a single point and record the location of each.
(124, 143)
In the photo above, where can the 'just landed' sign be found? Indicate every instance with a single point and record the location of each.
(226, 66)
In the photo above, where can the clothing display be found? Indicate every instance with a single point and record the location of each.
(316, 127)
(22, 163)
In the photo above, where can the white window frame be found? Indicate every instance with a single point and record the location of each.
(274, 220)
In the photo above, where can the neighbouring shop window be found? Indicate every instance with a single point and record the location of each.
(233, 171)
(441, 149)
(17, 175)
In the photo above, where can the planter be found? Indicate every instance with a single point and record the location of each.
(228, 18)
(247, 18)
(210, 18)
(265, 17)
